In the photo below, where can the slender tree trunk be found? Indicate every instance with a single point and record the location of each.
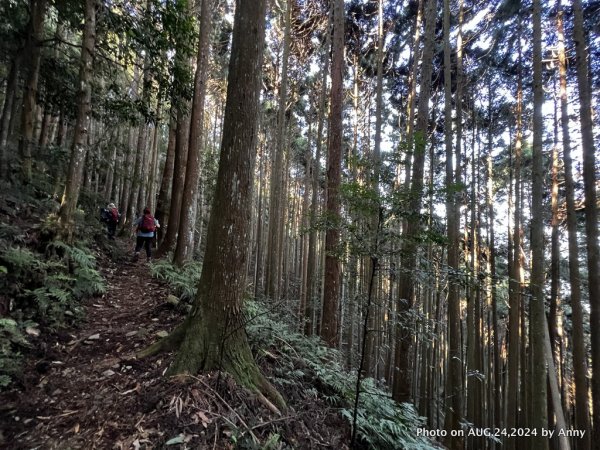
(108, 185)
(580, 369)
(140, 153)
(9, 100)
(78, 150)
(45, 131)
(313, 240)
(164, 193)
(331, 287)
(258, 265)
(33, 52)
(561, 424)
(274, 244)
(538, 410)
(181, 150)
(411, 101)
(498, 391)
(127, 175)
(512, 393)
(187, 222)
(305, 223)
(402, 381)
(151, 189)
(591, 208)
(454, 374)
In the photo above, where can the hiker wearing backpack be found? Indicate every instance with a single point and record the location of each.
(111, 217)
(146, 226)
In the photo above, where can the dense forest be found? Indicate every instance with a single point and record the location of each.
(377, 224)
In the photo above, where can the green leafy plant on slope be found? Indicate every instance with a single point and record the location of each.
(42, 289)
(182, 280)
(382, 423)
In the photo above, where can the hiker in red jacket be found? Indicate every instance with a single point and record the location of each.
(112, 219)
(146, 226)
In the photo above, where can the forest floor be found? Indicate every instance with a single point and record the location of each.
(84, 388)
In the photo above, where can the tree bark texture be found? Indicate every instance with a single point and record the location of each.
(331, 287)
(33, 55)
(591, 209)
(11, 94)
(214, 335)
(82, 122)
(401, 390)
(276, 216)
(164, 192)
(537, 315)
(580, 369)
(455, 366)
(187, 222)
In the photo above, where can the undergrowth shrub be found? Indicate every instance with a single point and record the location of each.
(381, 422)
(12, 340)
(43, 290)
(182, 280)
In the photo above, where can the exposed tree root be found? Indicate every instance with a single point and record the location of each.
(202, 347)
(166, 344)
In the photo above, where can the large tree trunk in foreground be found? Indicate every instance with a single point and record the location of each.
(84, 96)
(213, 335)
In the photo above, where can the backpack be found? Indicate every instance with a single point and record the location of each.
(147, 224)
(114, 213)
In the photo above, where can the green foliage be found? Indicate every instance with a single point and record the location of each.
(182, 280)
(382, 423)
(11, 340)
(45, 289)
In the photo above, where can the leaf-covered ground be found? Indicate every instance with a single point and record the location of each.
(85, 389)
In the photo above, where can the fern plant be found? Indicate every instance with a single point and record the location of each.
(382, 423)
(12, 340)
(182, 280)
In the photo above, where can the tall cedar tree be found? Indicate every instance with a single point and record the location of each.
(276, 201)
(213, 335)
(331, 287)
(187, 221)
(580, 369)
(80, 134)
(538, 411)
(455, 367)
(33, 56)
(591, 209)
(402, 381)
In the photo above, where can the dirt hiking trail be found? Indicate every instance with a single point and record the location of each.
(84, 388)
